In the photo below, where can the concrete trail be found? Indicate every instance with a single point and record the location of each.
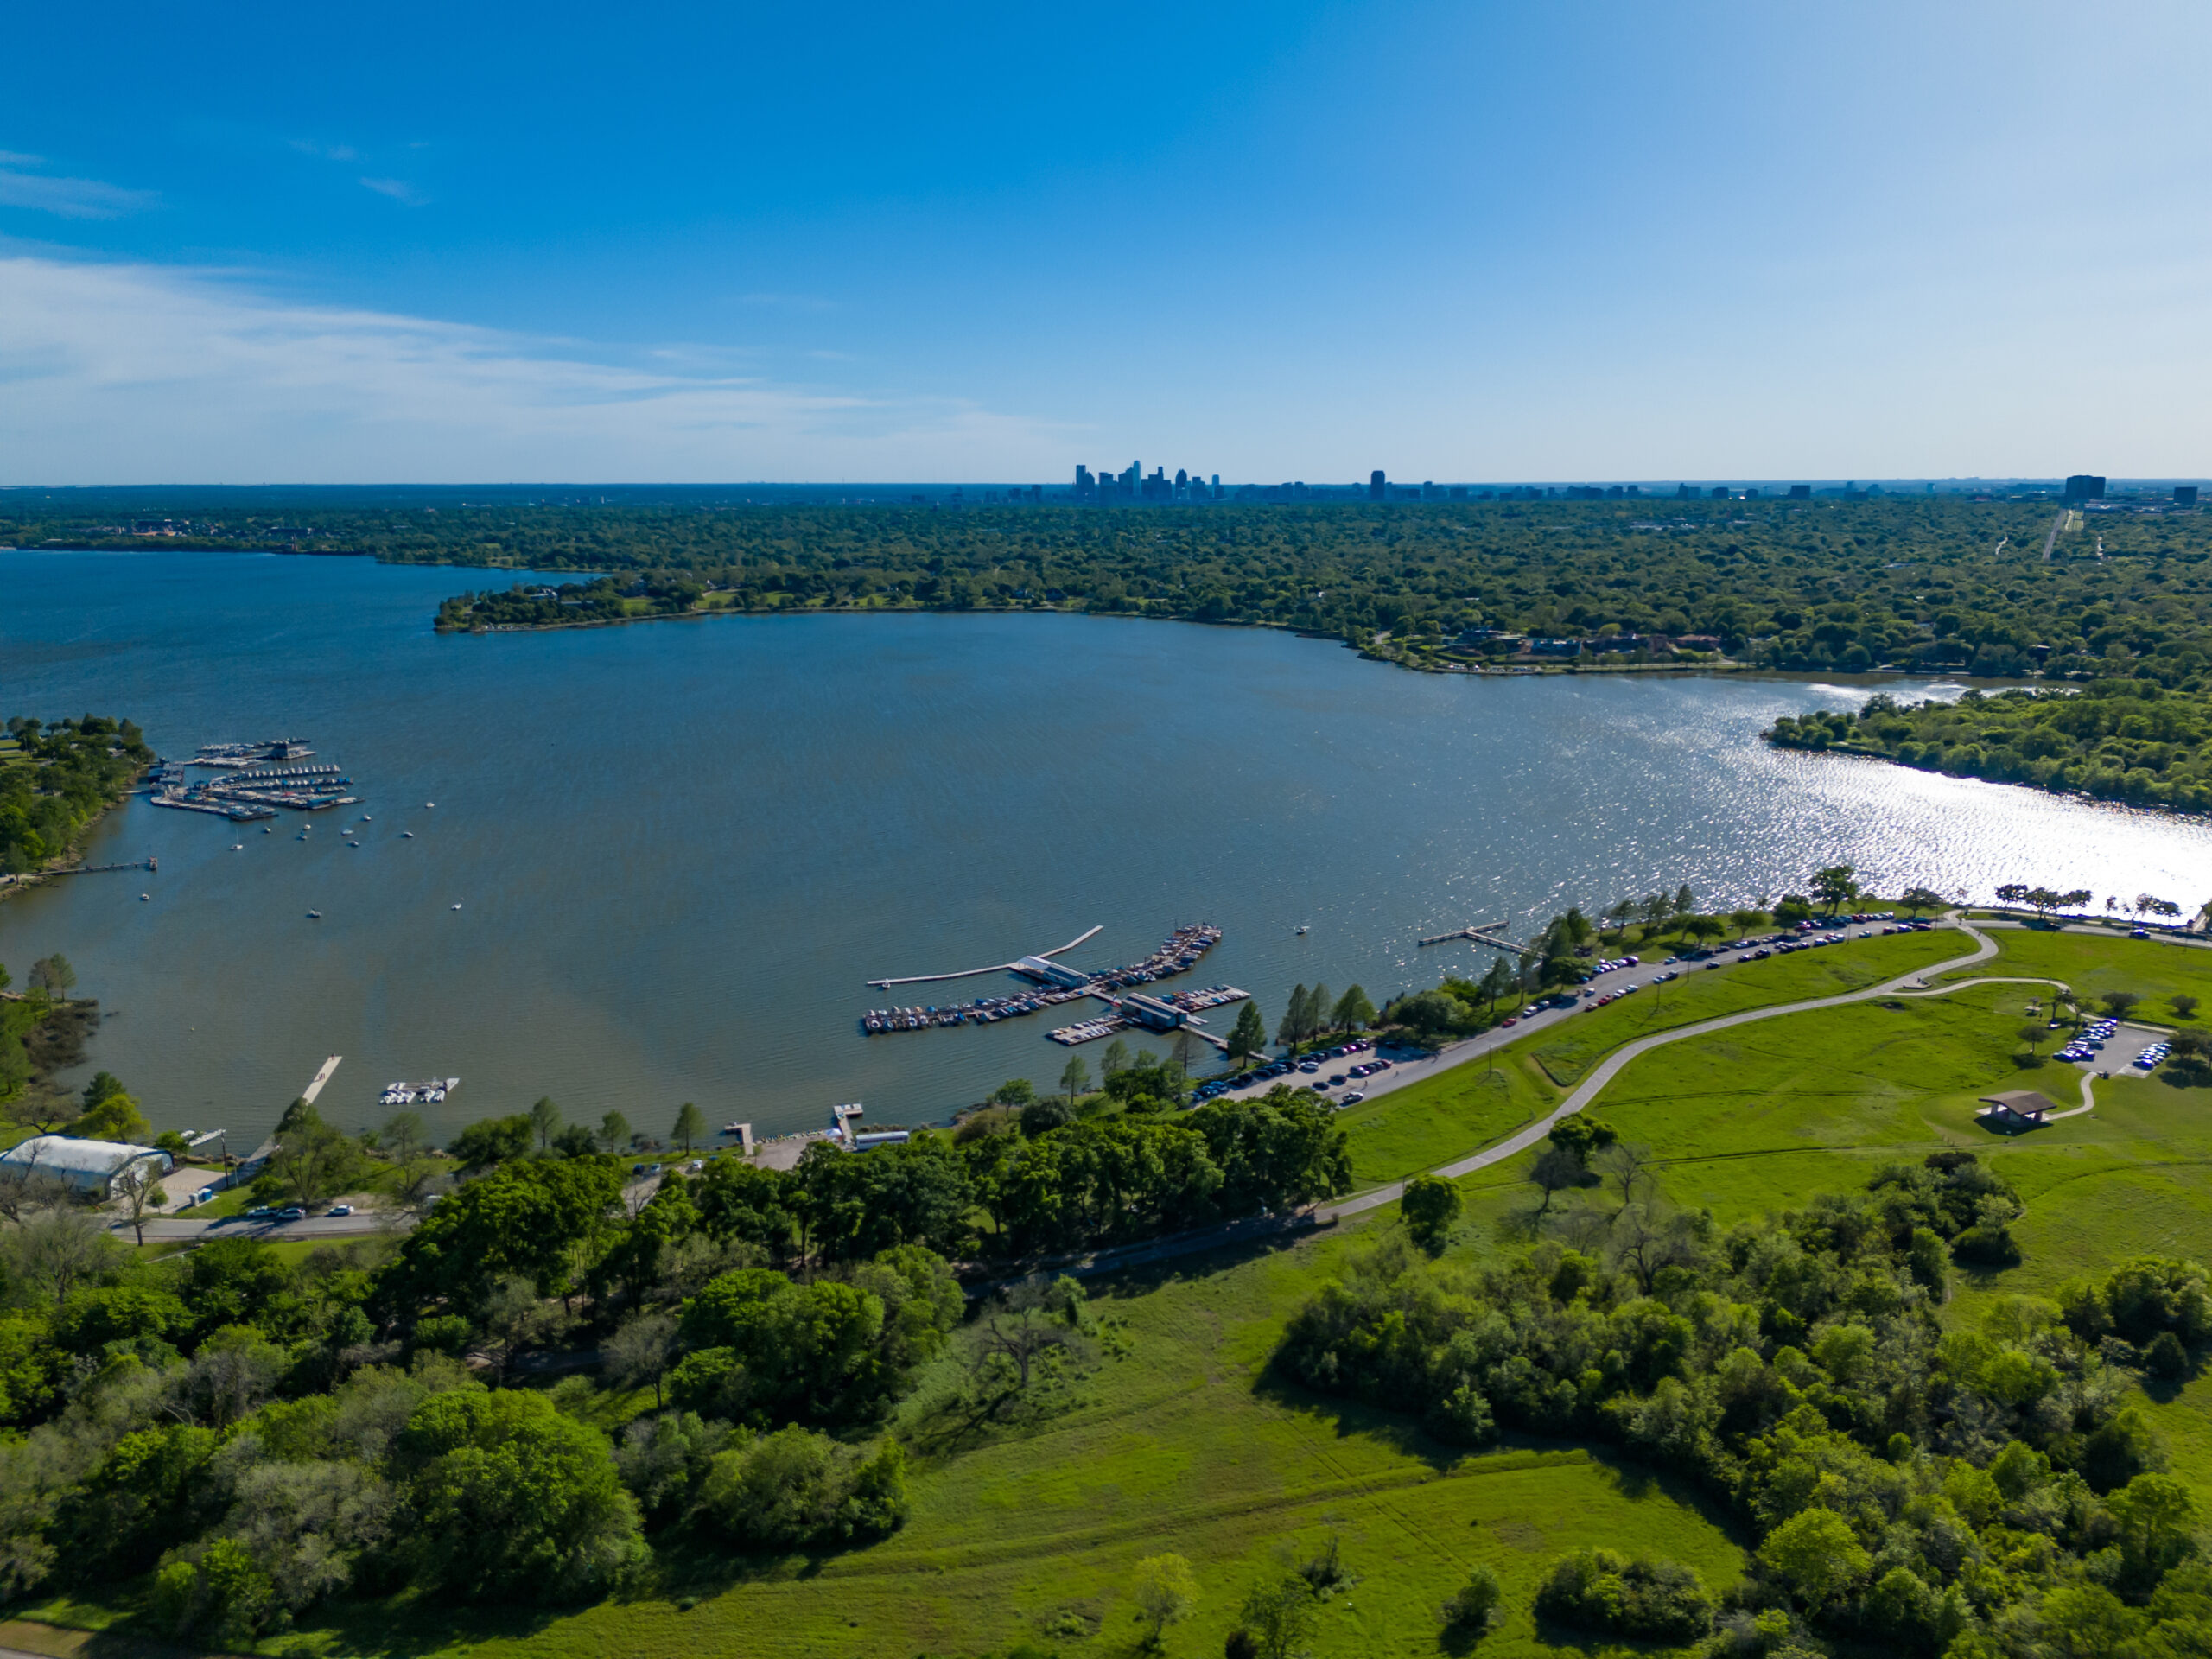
(1912, 984)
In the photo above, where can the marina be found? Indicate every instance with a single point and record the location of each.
(252, 786)
(1055, 983)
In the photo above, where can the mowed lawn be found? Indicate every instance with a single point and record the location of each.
(1460, 1110)
(2091, 965)
(1184, 1445)
(1567, 1053)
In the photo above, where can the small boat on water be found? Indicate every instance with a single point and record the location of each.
(365, 818)
(407, 835)
(240, 847)
(456, 906)
(268, 829)
(314, 915)
(143, 897)
(1301, 930)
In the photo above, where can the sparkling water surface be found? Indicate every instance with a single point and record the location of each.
(682, 849)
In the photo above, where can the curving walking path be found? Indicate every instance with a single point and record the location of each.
(1912, 984)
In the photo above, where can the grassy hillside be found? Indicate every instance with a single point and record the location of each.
(1182, 1439)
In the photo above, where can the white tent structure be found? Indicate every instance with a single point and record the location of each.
(90, 1166)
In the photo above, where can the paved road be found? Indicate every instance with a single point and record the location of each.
(360, 1225)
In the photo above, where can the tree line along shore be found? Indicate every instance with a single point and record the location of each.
(2111, 603)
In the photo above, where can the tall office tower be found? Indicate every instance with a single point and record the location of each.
(1217, 486)
(1376, 484)
(2085, 487)
(1182, 482)
(1084, 489)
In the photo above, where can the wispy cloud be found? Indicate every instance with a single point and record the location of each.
(122, 373)
(326, 152)
(398, 189)
(69, 198)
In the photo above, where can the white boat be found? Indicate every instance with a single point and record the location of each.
(143, 897)
(456, 906)
(407, 835)
(314, 915)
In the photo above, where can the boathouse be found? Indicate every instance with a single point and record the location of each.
(88, 1166)
(1047, 972)
(1152, 1012)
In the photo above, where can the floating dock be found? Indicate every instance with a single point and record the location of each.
(247, 754)
(999, 967)
(1480, 933)
(412, 1094)
(251, 786)
(1053, 984)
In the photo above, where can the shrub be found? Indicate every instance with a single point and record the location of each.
(512, 1500)
(1649, 1601)
(1473, 1606)
(1430, 1206)
(799, 1489)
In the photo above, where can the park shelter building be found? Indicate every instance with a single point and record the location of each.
(89, 1166)
(2018, 1108)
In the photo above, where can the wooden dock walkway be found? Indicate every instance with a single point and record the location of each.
(1480, 933)
(971, 973)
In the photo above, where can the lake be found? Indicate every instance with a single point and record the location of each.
(682, 849)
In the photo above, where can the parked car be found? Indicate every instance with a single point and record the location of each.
(261, 1212)
(340, 1210)
(291, 1212)
(1351, 1099)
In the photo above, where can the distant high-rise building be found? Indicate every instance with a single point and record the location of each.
(1684, 492)
(1217, 486)
(1801, 492)
(2085, 487)
(1086, 487)
(2184, 495)
(1377, 486)
(1720, 492)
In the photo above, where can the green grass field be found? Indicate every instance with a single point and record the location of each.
(1833, 970)
(1185, 1444)
(2152, 968)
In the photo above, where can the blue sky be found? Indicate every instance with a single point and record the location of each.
(258, 243)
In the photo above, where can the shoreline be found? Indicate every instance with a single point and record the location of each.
(63, 862)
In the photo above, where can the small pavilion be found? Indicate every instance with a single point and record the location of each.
(2014, 1109)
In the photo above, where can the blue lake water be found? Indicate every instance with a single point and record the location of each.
(682, 849)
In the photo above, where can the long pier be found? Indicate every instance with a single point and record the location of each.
(1480, 933)
(97, 870)
(996, 968)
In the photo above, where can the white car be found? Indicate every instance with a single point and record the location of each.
(340, 1210)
